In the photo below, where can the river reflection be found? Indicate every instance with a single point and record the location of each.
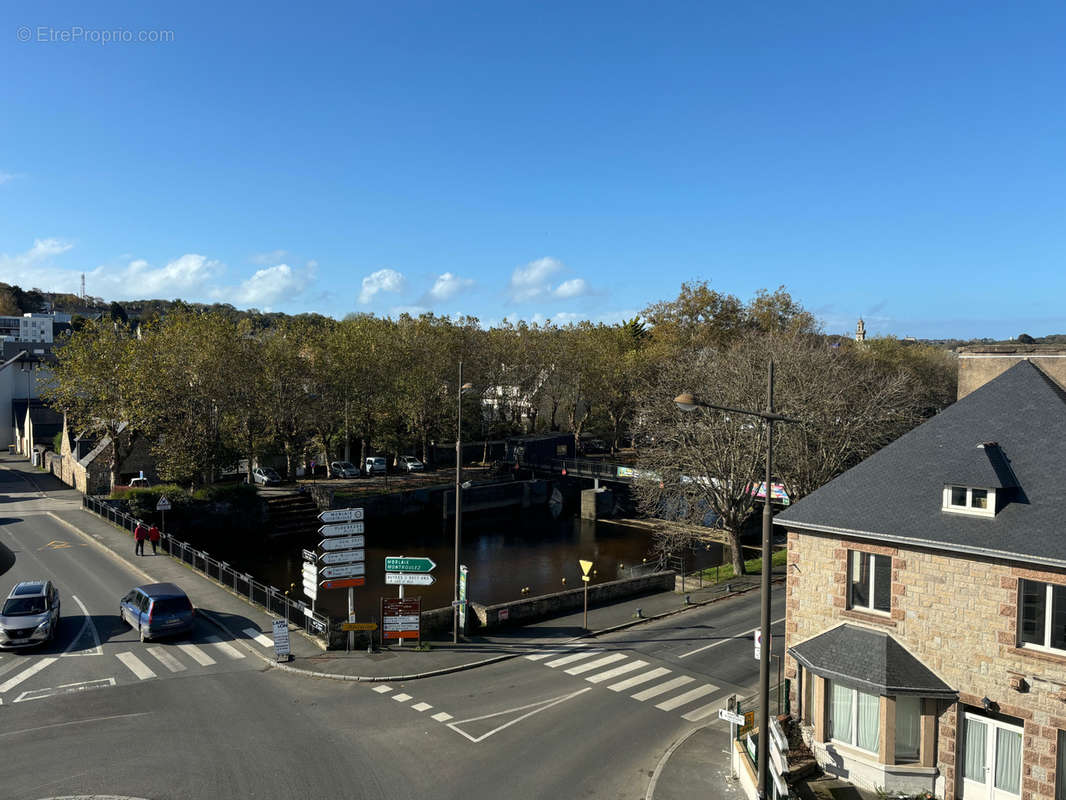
(504, 552)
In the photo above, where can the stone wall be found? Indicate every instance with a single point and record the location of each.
(980, 364)
(959, 617)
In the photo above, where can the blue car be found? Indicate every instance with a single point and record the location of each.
(157, 609)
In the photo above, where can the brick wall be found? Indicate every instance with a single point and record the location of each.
(957, 616)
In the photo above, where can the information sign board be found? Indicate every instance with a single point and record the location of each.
(730, 716)
(406, 564)
(342, 543)
(343, 529)
(343, 571)
(281, 639)
(341, 515)
(401, 618)
(409, 579)
(344, 583)
(342, 556)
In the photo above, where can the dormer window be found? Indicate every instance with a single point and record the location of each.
(970, 500)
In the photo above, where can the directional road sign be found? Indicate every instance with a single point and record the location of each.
(311, 590)
(731, 717)
(343, 556)
(409, 579)
(343, 529)
(341, 515)
(309, 555)
(359, 626)
(344, 583)
(405, 564)
(310, 572)
(343, 571)
(342, 543)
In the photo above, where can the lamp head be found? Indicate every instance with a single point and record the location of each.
(686, 401)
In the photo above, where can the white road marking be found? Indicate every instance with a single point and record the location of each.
(644, 677)
(74, 722)
(537, 708)
(614, 673)
(166, 659)
(725, 641)
(555, 651)
(10, 665)
(599, 662)
(11, 683)
(687, 697)
(696, 714)
(225, 647)
(382, 689)
(67, 688)
(401, 698)
(196, 654)
(263, 639)
(442, 716)
(570, 659)
(662, 688)
(88, 623)
(421, 706)
(135, 665)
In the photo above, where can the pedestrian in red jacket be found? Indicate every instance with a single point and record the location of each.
(153, 537)
(140, 533)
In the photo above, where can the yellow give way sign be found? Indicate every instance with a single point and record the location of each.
(585, 567)
(359, 626)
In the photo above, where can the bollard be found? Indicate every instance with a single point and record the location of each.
(640, 613)
(688, 599)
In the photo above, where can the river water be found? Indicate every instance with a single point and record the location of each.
(505, 552)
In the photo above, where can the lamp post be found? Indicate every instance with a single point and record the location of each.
(458, 501)
(687, 402)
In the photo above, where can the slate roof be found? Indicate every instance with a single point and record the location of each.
(895, 495)
(869, 660)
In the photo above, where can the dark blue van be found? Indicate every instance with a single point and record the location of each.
(157, 609)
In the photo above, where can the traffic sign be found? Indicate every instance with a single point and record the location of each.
(405, 564)
(343, 571)
(585, 566)
(342, 556)
(311, 590)
(409, 579)
(309, 555)
(342, 543)
(344, 583)
(163, 504)
(309, 572)
(341, 515)
(359, 626)
(730, 716)
(344, 529)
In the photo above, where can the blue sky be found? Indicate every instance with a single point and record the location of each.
(903, 162)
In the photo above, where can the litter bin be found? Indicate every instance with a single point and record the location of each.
(11, 449)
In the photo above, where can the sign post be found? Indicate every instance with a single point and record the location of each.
(163, 506)
(585, 567)
(343, 544)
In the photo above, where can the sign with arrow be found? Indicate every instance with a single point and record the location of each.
(342, 543)
(344, 529)
(341, 515)
(409, 579)
(344, 583)
(343, 571)
(343, 556)
(405, 564)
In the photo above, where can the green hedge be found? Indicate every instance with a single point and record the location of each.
(224, 506)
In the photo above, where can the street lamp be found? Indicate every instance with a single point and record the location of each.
(688, 402)
(458, 500)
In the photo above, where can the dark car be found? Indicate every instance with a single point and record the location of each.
(30, 614)
(157, 609)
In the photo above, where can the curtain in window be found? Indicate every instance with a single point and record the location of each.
(973, 765)
(908, 727)
(860, 580)
(840, 713)
(882, 582)
(869, 714)
(1008, 760)
(1033, 597)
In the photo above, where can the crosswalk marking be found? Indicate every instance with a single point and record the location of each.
(687, 697)
(196, 654)
(600, 677)
(599, 662)
(554, 651)
(570, 659)
(29, 672)
(401, 698)
(644, 677)
(263, 639)
(225, 647)
(421, 706)
(696, 714)
(442, 716)
(135, 665)
(662, 688)
(166, 659)
(382, 689)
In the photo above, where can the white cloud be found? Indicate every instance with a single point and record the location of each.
(272, 284)
(572, 288)
(33, 267)
(141, 280)
(532, 280)
(384, 280)
(270, 258)
(448, 285)
(413, 311)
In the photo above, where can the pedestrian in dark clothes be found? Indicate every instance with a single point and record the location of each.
(140, 533)
(153, 537)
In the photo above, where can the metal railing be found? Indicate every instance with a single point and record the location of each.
(295, 612)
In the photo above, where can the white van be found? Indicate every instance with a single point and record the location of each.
(374, 465)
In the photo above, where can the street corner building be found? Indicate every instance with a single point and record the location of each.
(926, 602)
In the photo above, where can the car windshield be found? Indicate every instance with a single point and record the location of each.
(271, 474)
(171, 605)
(23, 606)
(347, 465)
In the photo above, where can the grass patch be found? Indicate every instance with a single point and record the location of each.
(752, 565)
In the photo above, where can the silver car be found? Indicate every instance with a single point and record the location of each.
(30, 614)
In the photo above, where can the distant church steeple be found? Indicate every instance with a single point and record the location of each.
(860, 331)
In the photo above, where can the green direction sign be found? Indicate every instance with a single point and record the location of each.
(405, 564)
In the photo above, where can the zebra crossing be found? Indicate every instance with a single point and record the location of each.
(673, 692)
(165, 658)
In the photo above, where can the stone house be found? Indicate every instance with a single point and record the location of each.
(85, 461)
(926, 602)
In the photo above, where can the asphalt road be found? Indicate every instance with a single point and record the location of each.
(98, 712)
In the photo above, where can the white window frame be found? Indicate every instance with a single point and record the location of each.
(871, 587)
(854, 722)
(1048, 610)
(969, 508)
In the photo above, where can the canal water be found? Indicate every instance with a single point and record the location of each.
(505, 552)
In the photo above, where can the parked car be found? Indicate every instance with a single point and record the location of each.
(266, 476)
(410, 464)
(343, 469)
(374, 465)
(30, 614)
(157, 609)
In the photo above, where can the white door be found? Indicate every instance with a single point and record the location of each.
(991, 759)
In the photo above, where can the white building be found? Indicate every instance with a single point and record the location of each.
(27, 328)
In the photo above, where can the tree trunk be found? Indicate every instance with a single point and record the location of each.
(737, 554)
